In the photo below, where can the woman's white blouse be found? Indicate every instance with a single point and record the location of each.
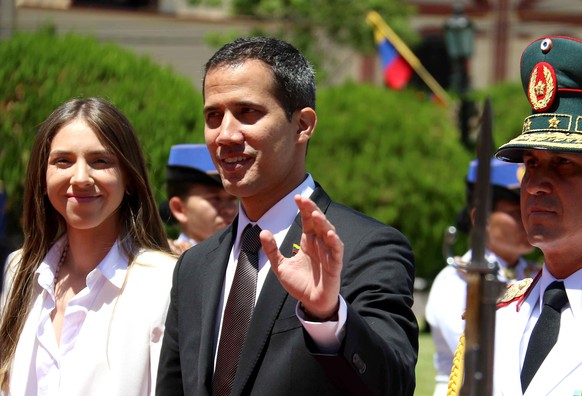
(112, 329)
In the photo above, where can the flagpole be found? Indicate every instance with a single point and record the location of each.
(376, 20)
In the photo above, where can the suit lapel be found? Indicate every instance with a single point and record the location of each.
(269, 303)
(265, 314)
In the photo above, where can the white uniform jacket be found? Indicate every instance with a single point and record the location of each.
(561, 372)
(445, 307)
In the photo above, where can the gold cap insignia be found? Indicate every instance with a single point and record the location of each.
(542, 87)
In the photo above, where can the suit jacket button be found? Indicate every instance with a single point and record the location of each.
(359, 364)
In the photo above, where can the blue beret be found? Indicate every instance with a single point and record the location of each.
(503, 174)
(191, 163)
(191, 156)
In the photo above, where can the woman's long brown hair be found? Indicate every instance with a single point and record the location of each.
(43, 225)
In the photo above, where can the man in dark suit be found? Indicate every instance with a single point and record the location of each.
(332, 311)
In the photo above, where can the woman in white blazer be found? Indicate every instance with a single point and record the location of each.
(85, 298)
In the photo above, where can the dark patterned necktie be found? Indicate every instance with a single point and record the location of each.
(545, 332)
(238, 312)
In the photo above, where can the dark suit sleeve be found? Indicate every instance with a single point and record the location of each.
(169, 380)
(380, 348)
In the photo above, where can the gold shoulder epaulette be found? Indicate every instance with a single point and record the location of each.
(514, 291)
(461, 265)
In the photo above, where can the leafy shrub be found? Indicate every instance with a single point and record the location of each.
(510, 107)
(395, 157)
(39, 71)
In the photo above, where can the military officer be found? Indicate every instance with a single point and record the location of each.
(507, 243)
(196, 198)
(550, 146)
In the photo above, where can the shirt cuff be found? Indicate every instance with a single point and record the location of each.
(327, 336)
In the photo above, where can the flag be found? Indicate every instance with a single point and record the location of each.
(396, 71)
(397, 48)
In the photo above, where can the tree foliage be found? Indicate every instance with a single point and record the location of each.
(321, 28)
(343, 21)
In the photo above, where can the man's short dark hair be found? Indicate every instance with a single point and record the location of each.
(294, 75)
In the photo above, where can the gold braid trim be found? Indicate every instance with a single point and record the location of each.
(456, 378)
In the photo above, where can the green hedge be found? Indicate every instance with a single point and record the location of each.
(393, 155)
(39, 71)
(510, 107)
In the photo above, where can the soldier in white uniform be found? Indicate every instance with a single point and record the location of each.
(197, 200)
(507, 243)
(550, 146)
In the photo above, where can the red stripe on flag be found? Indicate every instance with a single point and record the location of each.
(397, 72)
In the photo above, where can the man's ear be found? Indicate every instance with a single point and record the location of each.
(177, 207)
(307, 118)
